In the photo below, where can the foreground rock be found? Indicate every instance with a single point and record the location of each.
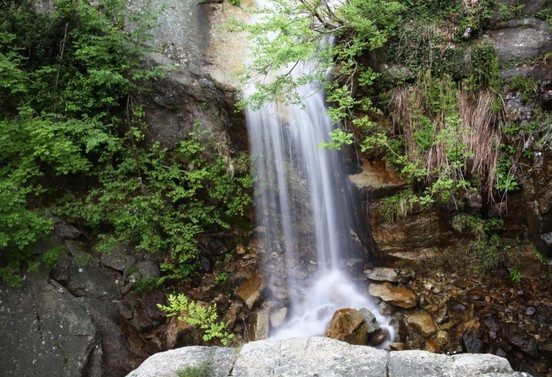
(348, 325)
(320, 357)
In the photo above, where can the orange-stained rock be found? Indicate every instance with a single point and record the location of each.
(348, 325)
(424, 322)
(432, 345)
(251, 290)
(394, 295)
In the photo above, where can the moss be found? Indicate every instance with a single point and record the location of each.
(204, 369)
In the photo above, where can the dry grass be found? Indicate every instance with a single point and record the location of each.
(462, 121)
(482, 135)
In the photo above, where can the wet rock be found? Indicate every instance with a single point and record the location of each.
(388, 274)
(424, 322)
(180, 334)
(122, 349)
(493, 326)
(348, 325)
(414, 235)
(546, 348)
(471, 343)
(423, 301)
(522, 340)
(375, 180)
(371, 322)
(233, 313)
(397, 346)
(259, 324)
(378, 337)
(251, 291)
(432, 345)
(278, 316)
(64, 231)
(396, 296)
(386, 309)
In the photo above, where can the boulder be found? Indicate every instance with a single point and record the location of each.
(421, 363)
(348, 325)
(423, 322)
(521, 40)
(371, 321)
(322, 357)
(391, 275)
(167, 364)
(44, 329)
(397, 296)
(259, 324)
(251, 291)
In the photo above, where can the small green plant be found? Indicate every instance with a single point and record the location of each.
(488, 248)
(540, 256)
(197, 315)
(222, 277)
(515, 275)
(528, 86)
(204, 369)
(398, 206)
(235, 3)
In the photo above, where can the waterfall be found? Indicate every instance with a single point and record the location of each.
(303, 213)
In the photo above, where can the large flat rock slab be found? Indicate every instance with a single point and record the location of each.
(321, 357)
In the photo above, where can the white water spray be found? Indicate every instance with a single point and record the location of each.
(304, 214)
(302, 204)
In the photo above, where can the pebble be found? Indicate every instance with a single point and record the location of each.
(531, 310)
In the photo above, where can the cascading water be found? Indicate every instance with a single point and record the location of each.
(303, 213)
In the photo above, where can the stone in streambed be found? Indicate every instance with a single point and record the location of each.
(349, 326)
(396, 296)
(391, 275)
(424, 322)
(251, 290)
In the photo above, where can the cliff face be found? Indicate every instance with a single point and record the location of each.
(112, 330)
(475, 308)
(84, 316)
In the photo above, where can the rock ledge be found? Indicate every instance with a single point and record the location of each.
(322, 357)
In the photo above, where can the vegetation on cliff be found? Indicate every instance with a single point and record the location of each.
(409, 88)
(73, 145)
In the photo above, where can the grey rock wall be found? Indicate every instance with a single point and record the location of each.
(322, 357)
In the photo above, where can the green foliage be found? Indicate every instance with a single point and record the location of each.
(197, 315)
(489, 249)
(540, 256)
(290, 32)
(160, 202)
(338, 138)
(205, 369)
(73, 144)
(398, 206)
(528, 86)
(515, 275)
(222, 277)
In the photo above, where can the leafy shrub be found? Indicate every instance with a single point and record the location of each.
(197, 315)
(73, 146)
